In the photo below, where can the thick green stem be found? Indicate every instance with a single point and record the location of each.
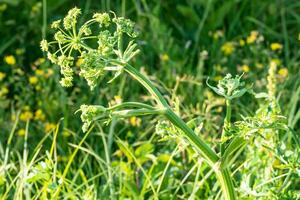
(210, 156)
(228, 113)
(226, 126)
(225, 180)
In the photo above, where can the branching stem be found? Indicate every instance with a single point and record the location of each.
(222, 174)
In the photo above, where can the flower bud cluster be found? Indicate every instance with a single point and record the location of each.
(230, 87)
(88, 115)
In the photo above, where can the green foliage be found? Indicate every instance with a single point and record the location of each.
(130, 150)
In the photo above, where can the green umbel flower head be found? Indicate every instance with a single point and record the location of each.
(97, 42)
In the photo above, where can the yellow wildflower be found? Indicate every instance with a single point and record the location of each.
(283, 72)
(33, 80)
(49, 127)
(40, 61)
(39, 115)
(25, 116)
(4, 91)
(118, 99)
(11, 60)
(276, 61)
(2, 76)
(242, 42)
(50, 72)
(245, 68)
(39, 72)
(79, 62)
(227, 48)
(164, 57)
(252, 37)
(299, 36)
(21, 132)
(276, 46)
(134, 121)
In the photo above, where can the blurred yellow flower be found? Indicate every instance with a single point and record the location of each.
(227, 48)
(283, 72)
(118, 99)
(25, 116)
(39, 72)
(134, 121)
(39, 115)
(245, 68)
(40, 61)
(252, 37)
(2, 76)
(277, 61)
(276, 46)
(10, 60)
(299, 36)
(50, 72)
(164, 57)
(79, 62)
(21, 132)
(242, 42)
(4, 90)
(33, 80)
(49, 127)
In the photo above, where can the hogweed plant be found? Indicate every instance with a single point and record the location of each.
(100, 45)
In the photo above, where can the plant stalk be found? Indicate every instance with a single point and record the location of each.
(226, 126)
(222, 174)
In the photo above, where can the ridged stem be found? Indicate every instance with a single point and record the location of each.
(222, 174)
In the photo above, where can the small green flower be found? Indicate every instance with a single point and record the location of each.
(52, 57)
(66, 81)
(56, 24)
(92, 67)
(60, 37)
(85, 30)
(102, 19)
(125, 26)
(44, 45)
(71, 19)
(88, 114)
(106, 42)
